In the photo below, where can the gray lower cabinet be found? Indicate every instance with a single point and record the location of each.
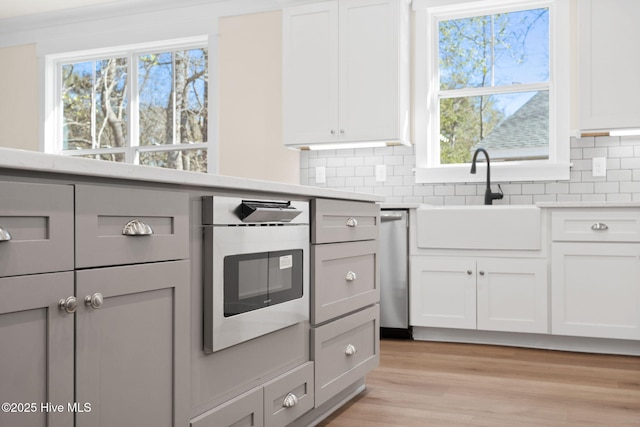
(117, 226)
(343, 221)
(132, 345)
(242, 411)
(274, 404)
(345, 291)
(345, 350)
(36, 228)
(36, 350)
(344, 278)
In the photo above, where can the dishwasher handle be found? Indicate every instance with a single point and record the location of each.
(392, 216)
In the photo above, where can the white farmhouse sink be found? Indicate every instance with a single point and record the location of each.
(498, 227)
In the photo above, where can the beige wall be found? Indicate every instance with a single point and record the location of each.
(19, 104)
(250, 100)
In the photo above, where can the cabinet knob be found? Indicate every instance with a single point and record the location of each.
(5, 236)
(350, 350)
(94, 301)
(481, 272)
(352, 222)
(290, 401)
(469, 272)
(70, 304)
(351, 276)
(599, 226)
(137, 227)
(342, 131)
(333, 131)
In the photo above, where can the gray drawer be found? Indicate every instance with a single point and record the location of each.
(344, 278)
(243, 411)
(343, 221)
(344, 351)
(39, 220)
(595, 225)
(298, 383)
(103, 212)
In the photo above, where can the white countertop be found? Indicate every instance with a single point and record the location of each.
(50, 163)
(588, 204)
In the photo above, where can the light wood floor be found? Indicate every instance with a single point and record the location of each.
(421, 384)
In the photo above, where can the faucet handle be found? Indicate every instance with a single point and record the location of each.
(498, 196)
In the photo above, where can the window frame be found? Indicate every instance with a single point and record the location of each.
(426, 87)
(53, 124)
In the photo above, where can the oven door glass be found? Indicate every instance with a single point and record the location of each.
(254, 281)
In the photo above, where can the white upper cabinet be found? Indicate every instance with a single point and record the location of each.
(345, 72)
(608, 57)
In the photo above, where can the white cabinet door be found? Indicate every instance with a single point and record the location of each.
(443, 292)
(345, 72)
(512, 295)
(609, 63)
(310, 73)
(369, 70)
(596, 290)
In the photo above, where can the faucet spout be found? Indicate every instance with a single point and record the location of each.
(489, 196)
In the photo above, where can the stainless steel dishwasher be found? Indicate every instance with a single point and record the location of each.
(394, 274)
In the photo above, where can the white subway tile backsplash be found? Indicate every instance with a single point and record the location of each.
(346, 171)
(354, 161)
(465, 190)
(621, 151)
(354, 169)
(589, 153)
(583, 142)
(444, 190)
(581, 187)
(619, 175)
(619, 197)
(354, 181)
(632, 163)
(630, 187)
(606, 187)
(336, 162)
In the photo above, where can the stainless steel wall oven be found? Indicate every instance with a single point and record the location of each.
(256, 268)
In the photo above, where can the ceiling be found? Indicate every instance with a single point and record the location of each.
(20, 8)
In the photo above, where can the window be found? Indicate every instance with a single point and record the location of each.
(145, 105)
(489, 74)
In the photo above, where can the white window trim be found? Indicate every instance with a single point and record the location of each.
(53, 139)
(428, 169)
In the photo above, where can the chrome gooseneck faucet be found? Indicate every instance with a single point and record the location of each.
(489, 196)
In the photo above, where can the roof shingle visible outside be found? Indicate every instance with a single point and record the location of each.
(523, 135)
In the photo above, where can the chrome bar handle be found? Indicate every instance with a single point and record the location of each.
(5, 236)
(137, 227)
(599, 226)
(352, 222)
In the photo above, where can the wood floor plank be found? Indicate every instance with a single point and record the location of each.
(444, 384)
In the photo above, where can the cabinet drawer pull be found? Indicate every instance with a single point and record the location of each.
(469, 272)
(94, 301)
(5, 236)
(351, 276)
(136, 227)
(333, 131)
(290, 401)
(350, 350)
(352, 222)
(599, 226)
(70, 304)
(481, 272)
